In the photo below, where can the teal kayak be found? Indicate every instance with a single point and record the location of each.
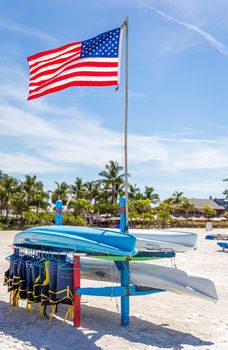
(81, 239)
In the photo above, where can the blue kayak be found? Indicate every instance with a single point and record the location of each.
(81, 239)
(210, 237)
(223, 245)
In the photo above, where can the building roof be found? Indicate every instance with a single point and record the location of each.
(200, 203)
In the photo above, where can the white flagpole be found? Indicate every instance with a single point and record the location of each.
(126, 120)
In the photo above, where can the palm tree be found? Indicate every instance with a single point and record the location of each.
(8, 188)
(81, 207)
(176, 200)
(150, 194)
(186, 205)
(78, 189)
(164, 213)
(143, 206)
(41, 200)
(30, 187)
(30, 216)
(112, 179)
(177, 197)
(92, 191)
(34, 193)
(134, 193)
(61, 192)
(19, 203)
(209, 211)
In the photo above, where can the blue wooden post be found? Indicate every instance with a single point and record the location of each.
(123, 225)
(124, 269)
(125, 301)
(59, 212)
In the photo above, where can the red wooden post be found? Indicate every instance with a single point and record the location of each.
(77, 298)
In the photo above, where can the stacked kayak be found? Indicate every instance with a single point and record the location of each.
(106, 241)
(160, 240)
(148, 276)
(82, 239)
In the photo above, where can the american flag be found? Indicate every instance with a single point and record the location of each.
(93, 62)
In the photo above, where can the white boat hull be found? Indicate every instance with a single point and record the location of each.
(151, 276)
(161, 240)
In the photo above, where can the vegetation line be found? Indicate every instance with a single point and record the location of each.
(94, 203)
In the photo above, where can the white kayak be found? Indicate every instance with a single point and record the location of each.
(151, 276)
(158, 240)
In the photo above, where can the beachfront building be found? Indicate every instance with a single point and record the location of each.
(199, 205)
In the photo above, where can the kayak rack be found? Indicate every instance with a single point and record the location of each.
(125, 290)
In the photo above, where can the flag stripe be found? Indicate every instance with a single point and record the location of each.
(94, 62)
(54, 67)
(56, 60)
(70, 64)
(71, 84)
(94, 59)
(66, 70)
(50, 54)
(103, 76)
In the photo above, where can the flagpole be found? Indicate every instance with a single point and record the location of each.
(126, 120)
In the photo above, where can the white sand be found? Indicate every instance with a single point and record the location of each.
(159, 321)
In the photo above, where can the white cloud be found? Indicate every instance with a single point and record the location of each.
(52, 138)
(79, 138)
(192, 188)
(19, 28)
(214, 42)
(21, 163)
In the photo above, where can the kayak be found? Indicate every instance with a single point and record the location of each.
(151, 276)
(223, 245)
(81, 239)
(160, 240)
(223, 236)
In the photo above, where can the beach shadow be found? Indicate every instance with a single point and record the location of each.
(139, 331)
(20, 325)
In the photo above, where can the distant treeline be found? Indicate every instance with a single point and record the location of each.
(26, 203)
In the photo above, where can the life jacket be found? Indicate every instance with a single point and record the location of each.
(12, 279)
(12, 273)
(36, 278)
(52, 272)
(64, 294)
(45, 284)
(22, 290)
(29, 281)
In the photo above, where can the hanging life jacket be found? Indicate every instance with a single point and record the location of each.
(22, 291)
(52, 272)
(45, 284)
(36, 281)
(64, 294)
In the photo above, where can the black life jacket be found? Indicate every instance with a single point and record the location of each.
(64, 293)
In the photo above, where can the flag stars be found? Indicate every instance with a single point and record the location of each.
(105, 45)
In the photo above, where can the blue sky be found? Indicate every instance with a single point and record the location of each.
(178, 105)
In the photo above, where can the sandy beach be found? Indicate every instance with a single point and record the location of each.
(162, 321)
